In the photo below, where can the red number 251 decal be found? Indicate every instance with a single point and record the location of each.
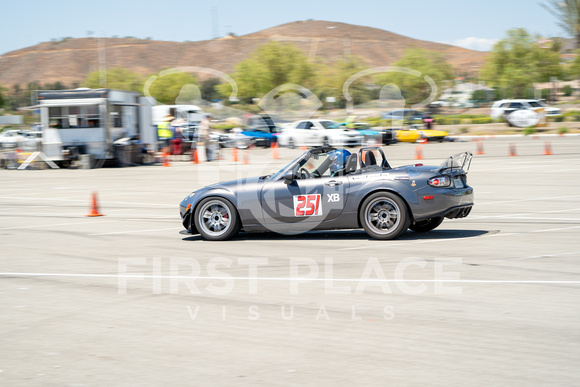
(307, 205)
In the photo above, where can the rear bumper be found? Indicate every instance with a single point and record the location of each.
(458, 212)
(446, 202)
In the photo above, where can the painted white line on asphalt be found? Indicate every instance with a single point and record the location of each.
(539, 256)
(531, 199)
(534, 218)
(293, 279)
(101, 202)
(498, 235)
(555, 229)
(135, 231)
(57, 224)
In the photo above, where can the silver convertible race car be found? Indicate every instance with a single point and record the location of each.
(327, 188)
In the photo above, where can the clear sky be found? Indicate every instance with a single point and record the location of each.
(467, 23)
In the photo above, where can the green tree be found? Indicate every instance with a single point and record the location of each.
(166, 89)
(574, 68)
(480, 96)
(568, 14)
(118, 78)
(517, 62)
(2, 96)
(415, 88)
(208, 89)
(329, 81)
(269, 66)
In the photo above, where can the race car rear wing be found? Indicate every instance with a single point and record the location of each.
(458, 161)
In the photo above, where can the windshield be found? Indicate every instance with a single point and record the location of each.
(329, 124)
(535, 104)
(280, 173)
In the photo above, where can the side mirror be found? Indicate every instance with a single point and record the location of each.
(289, 177)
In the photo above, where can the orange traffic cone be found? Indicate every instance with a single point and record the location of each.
(547, 148)
(303, 148)
(418, 152)
(166, 162)
(513, 150)
(235, 155)
(275, 154)
(94, 207)
(480, 148)
(246, 157)
(194, 158)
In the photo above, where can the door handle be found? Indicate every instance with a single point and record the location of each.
(332, 183)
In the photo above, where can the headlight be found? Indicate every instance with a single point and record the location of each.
(439, 181)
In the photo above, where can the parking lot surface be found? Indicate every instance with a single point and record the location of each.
(126, 299)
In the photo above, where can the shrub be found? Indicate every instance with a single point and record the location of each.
(559, 118)
(568, 90)
(464, 130)
(373, 121)
(482, 120)
(224, 127)
(480, 96)
(572, 115)
(386, 123)
(529, 130)
(562, 130)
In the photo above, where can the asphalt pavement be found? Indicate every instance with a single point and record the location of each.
(128, 299)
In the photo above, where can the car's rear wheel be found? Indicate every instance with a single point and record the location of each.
(427, 224)
(216, 219)
(384, 215)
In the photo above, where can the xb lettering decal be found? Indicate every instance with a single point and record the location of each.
(307, 205)
(333, 197)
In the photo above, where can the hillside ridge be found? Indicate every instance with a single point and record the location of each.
(70, 60)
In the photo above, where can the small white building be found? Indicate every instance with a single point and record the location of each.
(461, 94)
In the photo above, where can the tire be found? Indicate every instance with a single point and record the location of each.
(64, 164)
(291, 144)
(325, 142)
(427, 224)
(216, 219)
(384, 215)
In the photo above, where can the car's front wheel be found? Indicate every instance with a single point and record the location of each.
(427, 224)
(384, 215)
(216, 219)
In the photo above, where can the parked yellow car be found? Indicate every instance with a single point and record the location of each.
(433, 134)
(408, 135)
(414, 135)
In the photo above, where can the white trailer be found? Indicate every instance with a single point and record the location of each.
(88, 121)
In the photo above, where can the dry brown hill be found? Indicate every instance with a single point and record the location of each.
(70, 60)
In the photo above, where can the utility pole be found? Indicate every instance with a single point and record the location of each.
(102, 64)
(214, 22)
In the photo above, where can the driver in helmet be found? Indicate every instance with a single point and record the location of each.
(338, 158)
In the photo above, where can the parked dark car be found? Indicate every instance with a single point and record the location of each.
(406, 115)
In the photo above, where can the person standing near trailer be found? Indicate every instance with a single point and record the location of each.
(164, 131)
(203, 136)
